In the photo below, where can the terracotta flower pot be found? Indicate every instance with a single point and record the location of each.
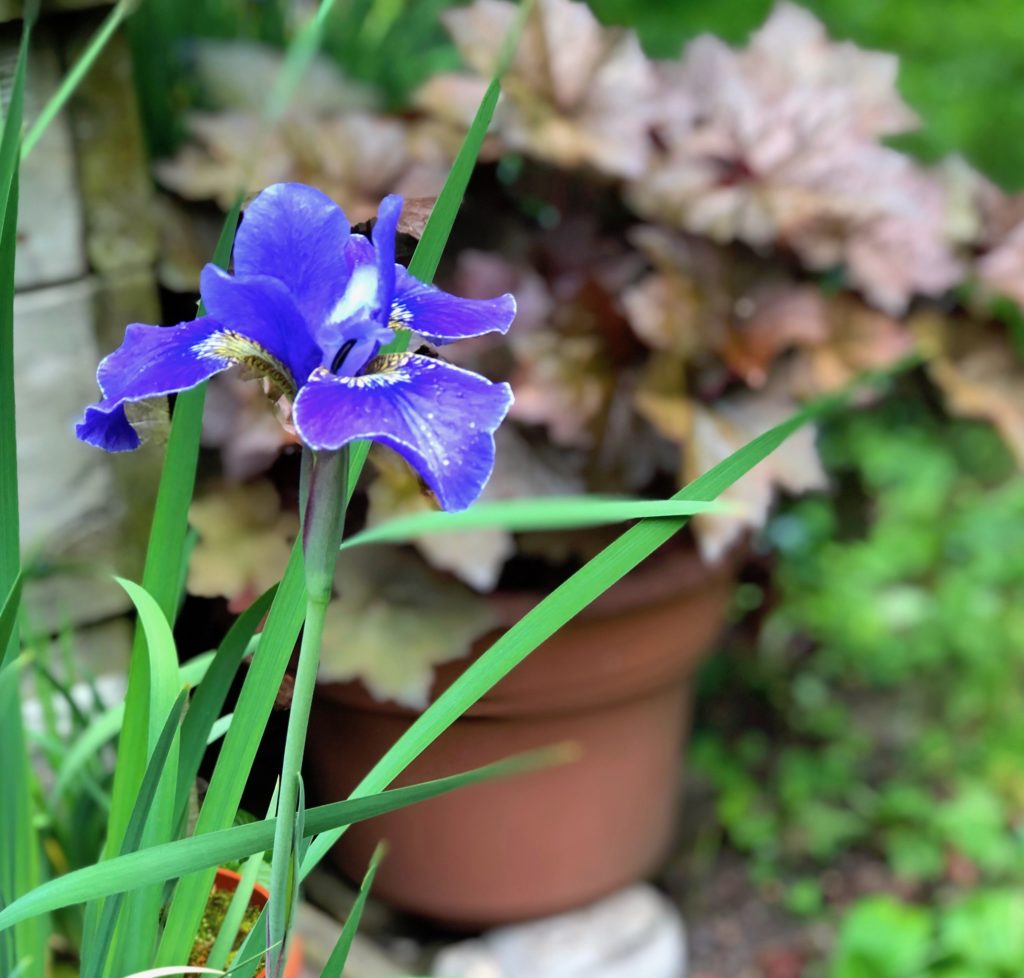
(616, 680)
(228, 880)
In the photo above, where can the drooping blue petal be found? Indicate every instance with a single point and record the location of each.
(297, 235)
(261, 309)
(440, 418)
(443, 318)
(152, 361)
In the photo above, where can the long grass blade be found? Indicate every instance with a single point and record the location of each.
(523, 515)
(238, 751)
(566, 601)
(162, 570)
(165, 862)
(104, 940)
(106, 726)
(20, 864)
(74, 77)
(335, 964)
(209, 698)
(298, 58)
(130, 948)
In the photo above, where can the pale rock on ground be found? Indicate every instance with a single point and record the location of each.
(635, 933)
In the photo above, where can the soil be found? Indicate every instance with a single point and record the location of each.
(216, 910)
(737, 929)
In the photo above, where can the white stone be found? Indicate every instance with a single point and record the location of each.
(635, 933)
(69, 499)
(51, 246)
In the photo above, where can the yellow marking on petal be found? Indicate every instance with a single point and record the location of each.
(388, 361)
(400, 317)
(227, 344)
(381, 371)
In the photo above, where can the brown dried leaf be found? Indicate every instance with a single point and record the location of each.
(769, 322)
(562, 382)
(979, 373)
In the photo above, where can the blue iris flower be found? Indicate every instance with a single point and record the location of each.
(309, 307)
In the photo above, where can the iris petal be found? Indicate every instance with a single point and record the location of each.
(152, 361)
(297, 235)
(440, 418)
(443, 318)
(260, 308)
(384, 232)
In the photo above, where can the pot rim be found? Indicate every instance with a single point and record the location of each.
(672, 582)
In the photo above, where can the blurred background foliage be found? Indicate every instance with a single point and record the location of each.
(870, 707)
(961, 60)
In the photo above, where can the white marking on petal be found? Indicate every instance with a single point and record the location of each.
(360, 295)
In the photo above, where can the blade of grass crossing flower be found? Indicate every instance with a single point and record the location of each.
(566, 601)
(522, 515)
(335, 965)
(209, 697)
(163, 568)
(102, 947)
(439, 225)
(238, 751)
(74, 77)
(164, 862)
(132, 943)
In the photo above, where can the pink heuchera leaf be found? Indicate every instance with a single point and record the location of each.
(576, 94)
(719, 431)
(245, 540)
(777, 144)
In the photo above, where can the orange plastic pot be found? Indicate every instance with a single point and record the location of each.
(616, 680)
(228, 881)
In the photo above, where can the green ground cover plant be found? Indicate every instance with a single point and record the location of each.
(887, 674)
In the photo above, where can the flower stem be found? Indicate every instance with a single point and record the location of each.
(323, 523)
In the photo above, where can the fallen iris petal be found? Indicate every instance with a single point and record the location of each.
(443, 318)
(151, 362)
(440, 418)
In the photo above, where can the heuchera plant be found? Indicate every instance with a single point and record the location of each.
(697, 245)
